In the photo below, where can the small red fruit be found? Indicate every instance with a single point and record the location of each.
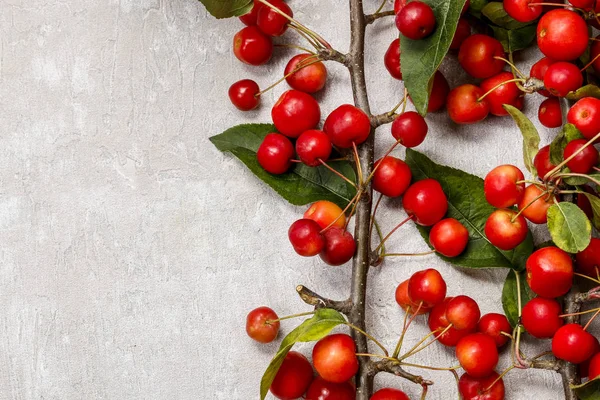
(541, 317)
(398, 4)
(426, 202)
(305, 236)
(346, 125)
(427, 286)
(537, 211)
(584, 160)
(312, 146)
(249, 18)
(310, 75)
(463, 31)
(270, 21)
(339, 246)
(391, 177)
(542, 162)
(320, 389)
(275, 153)
(477, 56)
(501, 188)
(572, 344)
(550, 114)
(257, 326)
(251, 46)
(479, 388)
(494, 325)
(293, 378)
(521, 10)
(538, 70)
(410, 129)
(549, 272)
(477, 354)
(334, 358)
(438, 323)
(562, 35)
(507, 93)
(504, 232)
(563, 77)
(243, 94)
(588, 260)
(416, 20)
(594, 367)
(389, 394)
(463, 313)
(326, 213)
(464, 104)
(439, 92)
(404, 301)
(585, 115)
(295, 112)
(449, 237)
(391, 59)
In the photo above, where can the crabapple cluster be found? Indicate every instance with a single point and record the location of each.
(457, 322)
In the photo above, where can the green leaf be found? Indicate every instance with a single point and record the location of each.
(595, 203)
(515, 39)
(569, 227)
(578, 180)
(510, 302)
(466, 203)
(494, 11)
(589, 390)
(315, 328)
(301, 185)
(568, 133)
(419, 59)
(531, 137)
(476, 7)
(584, 91)
(227, 8)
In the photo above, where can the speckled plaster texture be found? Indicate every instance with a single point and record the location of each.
(131, 249)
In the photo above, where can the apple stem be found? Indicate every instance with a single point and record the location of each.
(416, 349)
(521, 80)
(354, 199)
(315, 59)
(591, 62)
(357, 329)
(323, 163)
(591, 319)
(528, 204)
(304, 314)
(506, 371)
(512, 66)
(408, 254)
(393, 230)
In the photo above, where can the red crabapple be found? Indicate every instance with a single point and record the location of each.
(428, 287)
(477, 354)
(391, 177)
(404, 301)
(588, 260)
(320, 389)
(508, 93)
(563, 77)
(275, 153)
(416, 20)
(391, 59)
(465, 105)
(310, 75)
(542, 163)
(535, 210)
(339, 246)
(410, 129)
(505, 230)
(251, 46)
(562, 35)
(272, 23)
(262, 324)
(541, 317)
(425, 201)
(477, 56)
(347, 124)
(334, 358)
(295, 112)
(312, 147)
(495, 325)
(463, 312)
(438, 323)
(549, 272)
(243, 94)
(306, 238)
(449, 237)
(549, 113)
(389, 394)
(585, 115)
(501, 187)
(293, 377)
(572, 344)
(472, 388)
(326, 213)
(584, 160)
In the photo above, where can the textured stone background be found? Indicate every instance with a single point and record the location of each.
(131, 250)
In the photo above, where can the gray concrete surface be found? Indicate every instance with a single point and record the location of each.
(131, 250)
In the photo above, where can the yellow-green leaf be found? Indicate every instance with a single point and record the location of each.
(569, 227)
